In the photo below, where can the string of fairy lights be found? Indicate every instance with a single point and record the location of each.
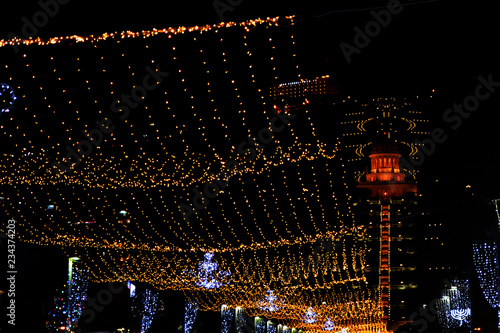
(280, 225)
(190, 313)
(485, 256)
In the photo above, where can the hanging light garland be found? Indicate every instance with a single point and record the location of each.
(150, 303)
(190, 313)
(485, 256)
(117, 36)
(119, 207)
(7, 97)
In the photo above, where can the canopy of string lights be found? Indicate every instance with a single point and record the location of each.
(160, 157)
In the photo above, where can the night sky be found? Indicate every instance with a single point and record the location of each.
(429, 44)
(441, 45)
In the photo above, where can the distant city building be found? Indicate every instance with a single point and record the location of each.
(304, 88)
(379, 137)
(399, 119)
(378, 140)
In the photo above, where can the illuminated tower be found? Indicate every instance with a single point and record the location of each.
(388, 190)
(385, 179)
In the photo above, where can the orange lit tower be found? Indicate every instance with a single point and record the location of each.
(388, 130)
(386, 183)
(385, 179)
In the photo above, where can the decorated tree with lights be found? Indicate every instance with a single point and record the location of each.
(329, 325)
(310, 316)
(270, 303)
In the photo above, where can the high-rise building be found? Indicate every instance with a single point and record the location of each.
(380, 136)
(392, 251)
(304, 88)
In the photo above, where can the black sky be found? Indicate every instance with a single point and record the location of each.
(429, 44)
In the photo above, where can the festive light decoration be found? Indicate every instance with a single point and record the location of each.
(227, 318)
(329, 325)
(288, 192)
(150, 307)
(454, 306)
(310, 316)
(208, 275)
(7, 97)
(461, 315)
(77, 292)
(260, 325)
(69, 302)
(271, 327)
(485, 256)
(240, 319)
(144, 33)
(57, 320)
(190, 313)
(270, 302)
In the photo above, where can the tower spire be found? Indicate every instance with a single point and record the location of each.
(386, 181)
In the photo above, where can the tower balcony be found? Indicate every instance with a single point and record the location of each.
(385, 190)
